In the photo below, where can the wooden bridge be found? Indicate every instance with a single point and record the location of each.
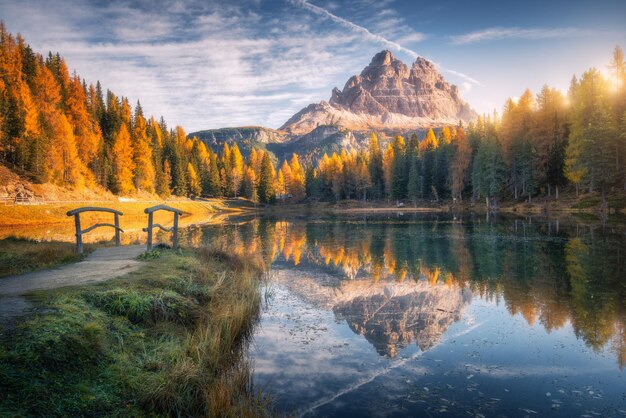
(116, 224)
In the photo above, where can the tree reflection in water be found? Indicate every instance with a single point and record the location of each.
(403, 279)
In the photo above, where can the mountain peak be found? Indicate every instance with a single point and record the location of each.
(383, 58)
(388, 95)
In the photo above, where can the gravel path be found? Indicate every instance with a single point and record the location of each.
(103, 264)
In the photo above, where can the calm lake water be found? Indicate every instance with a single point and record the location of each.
(437, 316)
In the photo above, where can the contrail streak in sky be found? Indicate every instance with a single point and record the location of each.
(372, 36)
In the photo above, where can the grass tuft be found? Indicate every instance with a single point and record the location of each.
(18, 256)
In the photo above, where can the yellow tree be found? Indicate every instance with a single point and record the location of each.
(65, 167)
(297, 178)
(123, 164)
(236, 169)
(279, 186)
(87, 141)
(388, 160)
(56, 158)
(285, 171)
(194, 182)
(445, 137)
(144, 174)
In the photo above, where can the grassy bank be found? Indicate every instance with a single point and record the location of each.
(18, 256)
(166, 340)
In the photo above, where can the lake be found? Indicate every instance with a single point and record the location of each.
(430, 314)
(436, 315)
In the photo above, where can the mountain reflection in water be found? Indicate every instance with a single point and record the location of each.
(389, 314)
(424, 315)
(401, 279)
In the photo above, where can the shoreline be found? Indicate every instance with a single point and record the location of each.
(55, 213)
(196, 211)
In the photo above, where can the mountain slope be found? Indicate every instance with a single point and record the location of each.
(387, 96)
(246, 137)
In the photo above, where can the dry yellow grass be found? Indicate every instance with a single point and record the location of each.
(56, 213)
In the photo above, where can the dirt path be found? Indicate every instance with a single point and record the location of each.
(103, 264)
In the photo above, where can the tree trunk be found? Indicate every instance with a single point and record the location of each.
(557, 192)
(604, 203)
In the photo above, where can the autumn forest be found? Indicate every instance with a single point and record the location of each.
(56, 127)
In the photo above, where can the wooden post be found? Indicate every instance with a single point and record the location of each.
(79, 236)
(151, 224)
(150, 231)
(117, 231)
(175, 238)
(79, 231)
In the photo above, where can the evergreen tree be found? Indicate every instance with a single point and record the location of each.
(266, 180)
(248, 186)
(375, 164)
(144, 175)
(414, 185)
(461, 161)
(399, 172)
(311, 183)
(489, 170)
(428, 148)
(212, 185)
(591, 149)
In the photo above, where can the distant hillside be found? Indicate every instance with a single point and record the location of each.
(310, 146)
(246, 137)
(313, 145)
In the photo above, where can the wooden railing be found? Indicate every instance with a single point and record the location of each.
(79, 232)
(152, 225)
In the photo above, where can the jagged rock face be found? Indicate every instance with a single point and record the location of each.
(387, 95)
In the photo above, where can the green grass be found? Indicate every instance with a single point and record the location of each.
(167, 340)
(18, 256)
(617, 202)
(587, 202)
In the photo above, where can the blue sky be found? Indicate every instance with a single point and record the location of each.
(209, 64)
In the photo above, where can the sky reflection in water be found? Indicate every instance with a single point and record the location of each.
(430, 315)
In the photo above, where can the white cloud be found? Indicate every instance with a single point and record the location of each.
(499, 33)
(368, 35)
(354, 27)
(204, 64)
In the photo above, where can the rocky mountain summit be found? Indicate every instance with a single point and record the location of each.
(387, 95)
